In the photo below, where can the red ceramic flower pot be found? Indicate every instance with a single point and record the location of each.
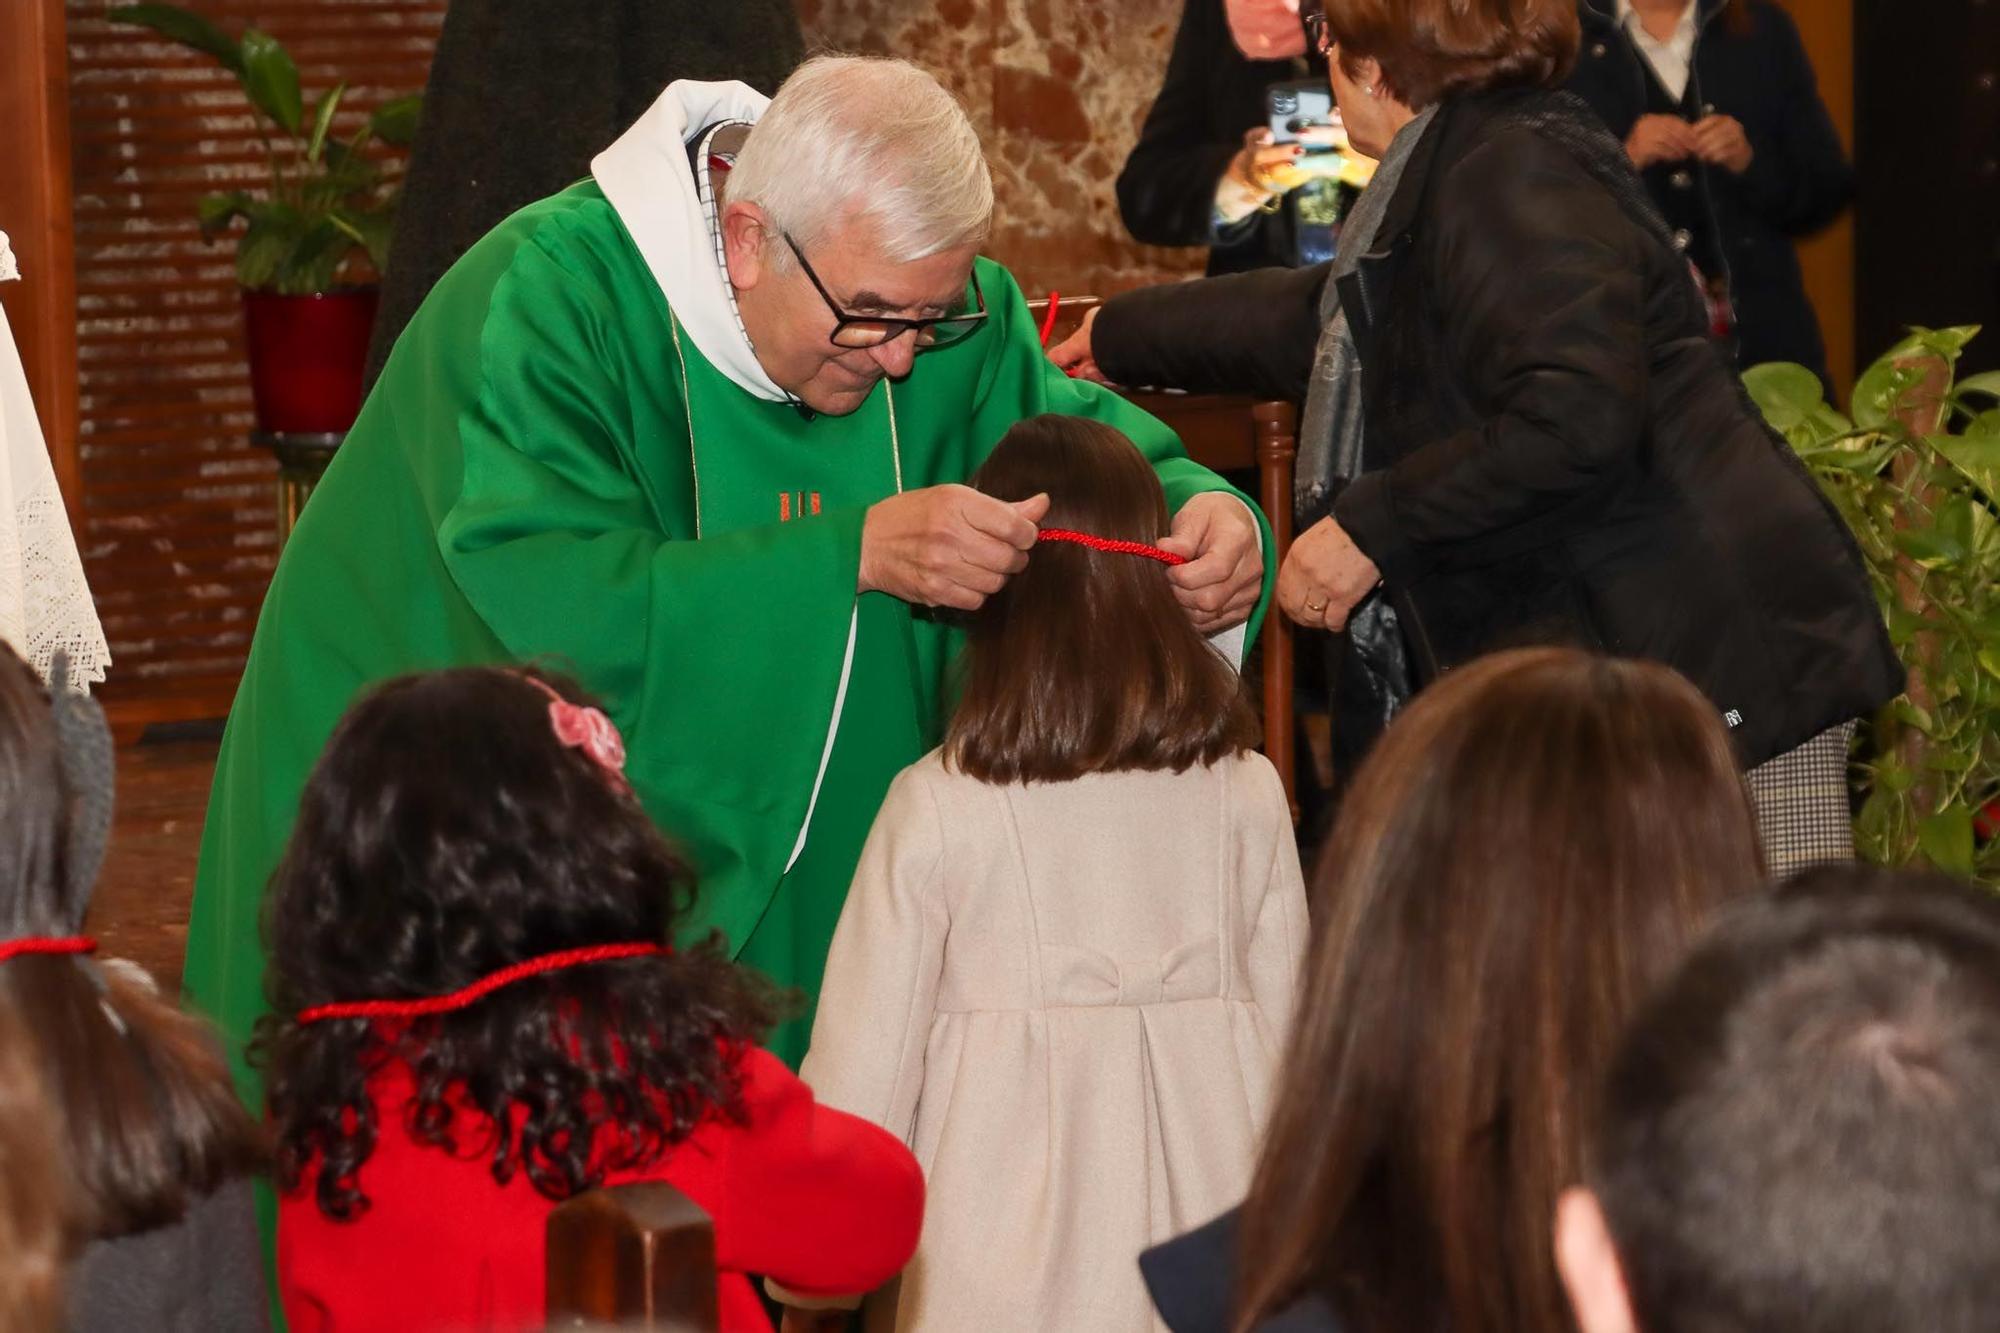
(307, 354)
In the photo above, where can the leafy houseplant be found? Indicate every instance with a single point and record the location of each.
(313, 239)
(1916, 473)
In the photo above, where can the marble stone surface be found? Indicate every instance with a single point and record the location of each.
(1057, 90)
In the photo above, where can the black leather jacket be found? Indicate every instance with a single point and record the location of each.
(1554, 450)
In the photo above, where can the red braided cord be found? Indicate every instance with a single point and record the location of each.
(46, 944)
(1112, 544)
(480, 989)
(1049, 320)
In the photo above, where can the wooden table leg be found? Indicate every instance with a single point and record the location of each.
(1277, 445)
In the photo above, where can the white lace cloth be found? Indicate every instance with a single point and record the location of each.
(45, 605)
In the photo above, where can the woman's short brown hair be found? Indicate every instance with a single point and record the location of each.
(1432, 49)
(1084, 662)
(1529, 849)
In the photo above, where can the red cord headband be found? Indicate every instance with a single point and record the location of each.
(46, 944)
(1111, 544)
(480, 989)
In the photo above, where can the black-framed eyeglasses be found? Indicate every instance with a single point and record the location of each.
(1316, 30)
(874, 330)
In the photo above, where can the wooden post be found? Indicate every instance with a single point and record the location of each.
(35, 212)
(639, 1257)
(1277, 444)
(1921, 412)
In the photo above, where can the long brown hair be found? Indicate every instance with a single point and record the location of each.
(34, 1206)
(1084, 662)
(1526, 851)
(146, 1118)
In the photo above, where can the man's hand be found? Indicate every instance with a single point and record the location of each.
(1219, 585)
(946, 545)
(1325, 575)
(1072, 355)
(1721, 140)
(1657, 139)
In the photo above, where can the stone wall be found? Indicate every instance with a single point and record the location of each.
(1057, 89)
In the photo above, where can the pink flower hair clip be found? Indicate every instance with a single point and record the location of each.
(584, 728)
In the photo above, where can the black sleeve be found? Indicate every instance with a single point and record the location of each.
(1800, 180)
(1245, 333)
(1540, 284)
(1166, 193)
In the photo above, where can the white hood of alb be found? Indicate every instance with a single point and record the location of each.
(646, 176)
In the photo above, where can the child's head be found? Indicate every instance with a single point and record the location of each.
(448, 832)
(1085, 662)
(146, 1118)
(1531, 845)
(1799, 1133)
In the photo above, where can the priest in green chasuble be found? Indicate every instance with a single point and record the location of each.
(693, 429)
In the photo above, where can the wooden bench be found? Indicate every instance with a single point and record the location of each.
(631, 1257)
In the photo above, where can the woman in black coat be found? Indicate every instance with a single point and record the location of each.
(1736, 149)
(1518, 428)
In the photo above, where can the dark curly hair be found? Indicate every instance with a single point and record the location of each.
(445, 834)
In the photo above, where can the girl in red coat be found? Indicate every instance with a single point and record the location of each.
(475, 1017)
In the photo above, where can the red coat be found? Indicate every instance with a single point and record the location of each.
(825, 1203)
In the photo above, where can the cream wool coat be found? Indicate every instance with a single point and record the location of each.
(1069, 1000)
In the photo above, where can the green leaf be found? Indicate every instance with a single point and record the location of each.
(1946, 839)
(395, 121)
(1947, 343)
(216, 211)
(323, 120)
(376, 225)
(1989, 661)
(1786, 394)
(1929, 548)
(268, 245)
(1988, 384)
(189, 29)
(1976, 456)
(272, 80)
(1903, 710)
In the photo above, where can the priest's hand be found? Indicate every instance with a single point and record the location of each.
(1324, 577)
(946, 545)
(1220, 584)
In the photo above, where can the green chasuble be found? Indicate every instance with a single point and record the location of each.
(549, 470)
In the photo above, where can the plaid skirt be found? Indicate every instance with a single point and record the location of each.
(1803, 818)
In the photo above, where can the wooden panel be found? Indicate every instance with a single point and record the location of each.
(179, 533)
(35, 213)
(1827, 28)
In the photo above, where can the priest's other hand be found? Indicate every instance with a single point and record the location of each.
(946, 545)
(1220, 583)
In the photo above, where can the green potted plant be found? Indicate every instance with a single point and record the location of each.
(1915, 471)
(313, 240)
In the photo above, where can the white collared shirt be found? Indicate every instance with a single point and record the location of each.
(1671, 59)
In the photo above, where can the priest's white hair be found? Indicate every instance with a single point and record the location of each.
(871, 138)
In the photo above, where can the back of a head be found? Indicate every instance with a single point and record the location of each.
(1085, 662)
(1527, 850)
(140, 1092)
(873, 138)
(448, 832)
(1801, 1133)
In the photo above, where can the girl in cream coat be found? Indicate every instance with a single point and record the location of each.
(1067, 961)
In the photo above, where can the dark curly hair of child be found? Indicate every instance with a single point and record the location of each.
(448, 833)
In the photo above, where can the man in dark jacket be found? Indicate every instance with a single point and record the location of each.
(1716, 104)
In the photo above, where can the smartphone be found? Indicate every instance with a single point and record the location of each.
(1298, 106)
